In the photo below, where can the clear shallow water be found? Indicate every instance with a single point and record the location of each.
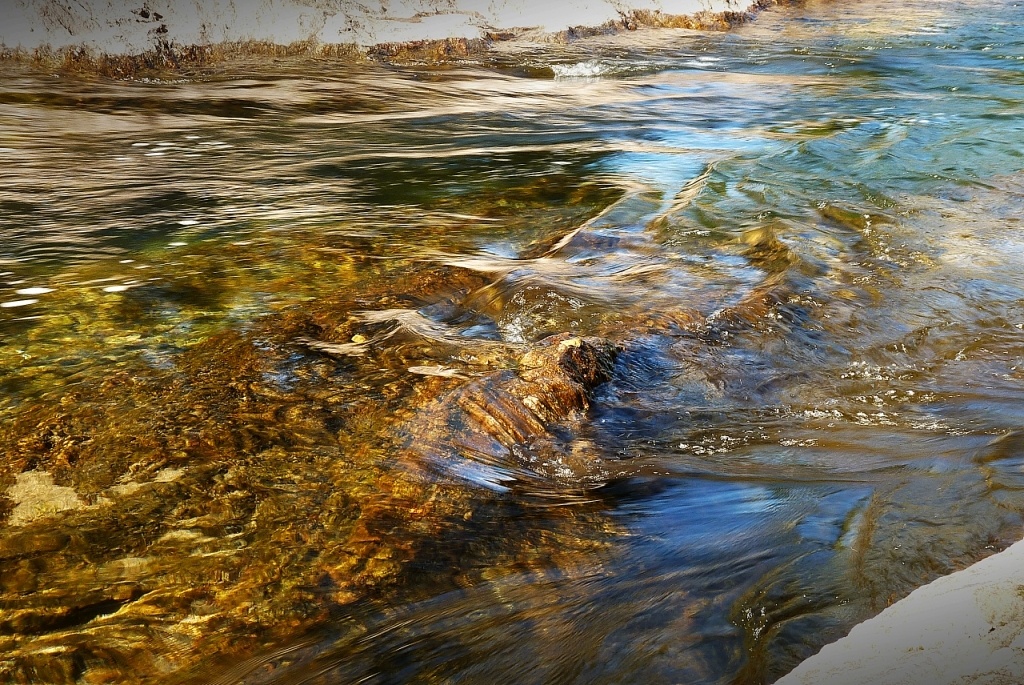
(228, 301)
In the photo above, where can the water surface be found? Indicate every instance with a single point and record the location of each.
(226, 297)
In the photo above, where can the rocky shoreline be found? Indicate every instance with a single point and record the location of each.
(121, 40)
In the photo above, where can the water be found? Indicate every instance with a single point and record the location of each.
(234, 305)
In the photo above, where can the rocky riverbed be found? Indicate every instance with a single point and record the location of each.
(582, 356)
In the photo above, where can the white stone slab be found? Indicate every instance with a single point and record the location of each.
(132, 26)
(965, 628)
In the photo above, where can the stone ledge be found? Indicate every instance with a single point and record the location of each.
(964, 628)
(124, 37)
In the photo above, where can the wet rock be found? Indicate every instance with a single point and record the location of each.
(35, 495)
(121, 40)
(31, 542)
(488, 418)
(307, 478)
(471, 435)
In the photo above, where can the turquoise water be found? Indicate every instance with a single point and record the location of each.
(231, 302)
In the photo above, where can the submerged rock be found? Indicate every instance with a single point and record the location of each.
(512, 413)
(35, 495)
(378, 443)
(478, 433)
(285, 502)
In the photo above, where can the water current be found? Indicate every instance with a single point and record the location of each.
(267, 334)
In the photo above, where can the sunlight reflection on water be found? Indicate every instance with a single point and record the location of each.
(237, 312)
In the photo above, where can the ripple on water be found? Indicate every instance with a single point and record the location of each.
(221, 327)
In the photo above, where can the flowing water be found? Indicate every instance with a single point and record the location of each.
(233, 305)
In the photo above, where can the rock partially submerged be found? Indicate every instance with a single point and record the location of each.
(508, 413)
(391, 453)
(477, 433)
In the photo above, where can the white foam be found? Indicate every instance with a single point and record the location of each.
(589, 69)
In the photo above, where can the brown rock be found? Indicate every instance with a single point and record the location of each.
(487, 417)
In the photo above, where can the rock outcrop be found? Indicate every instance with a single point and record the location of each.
(169, 32)
(508, 412)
